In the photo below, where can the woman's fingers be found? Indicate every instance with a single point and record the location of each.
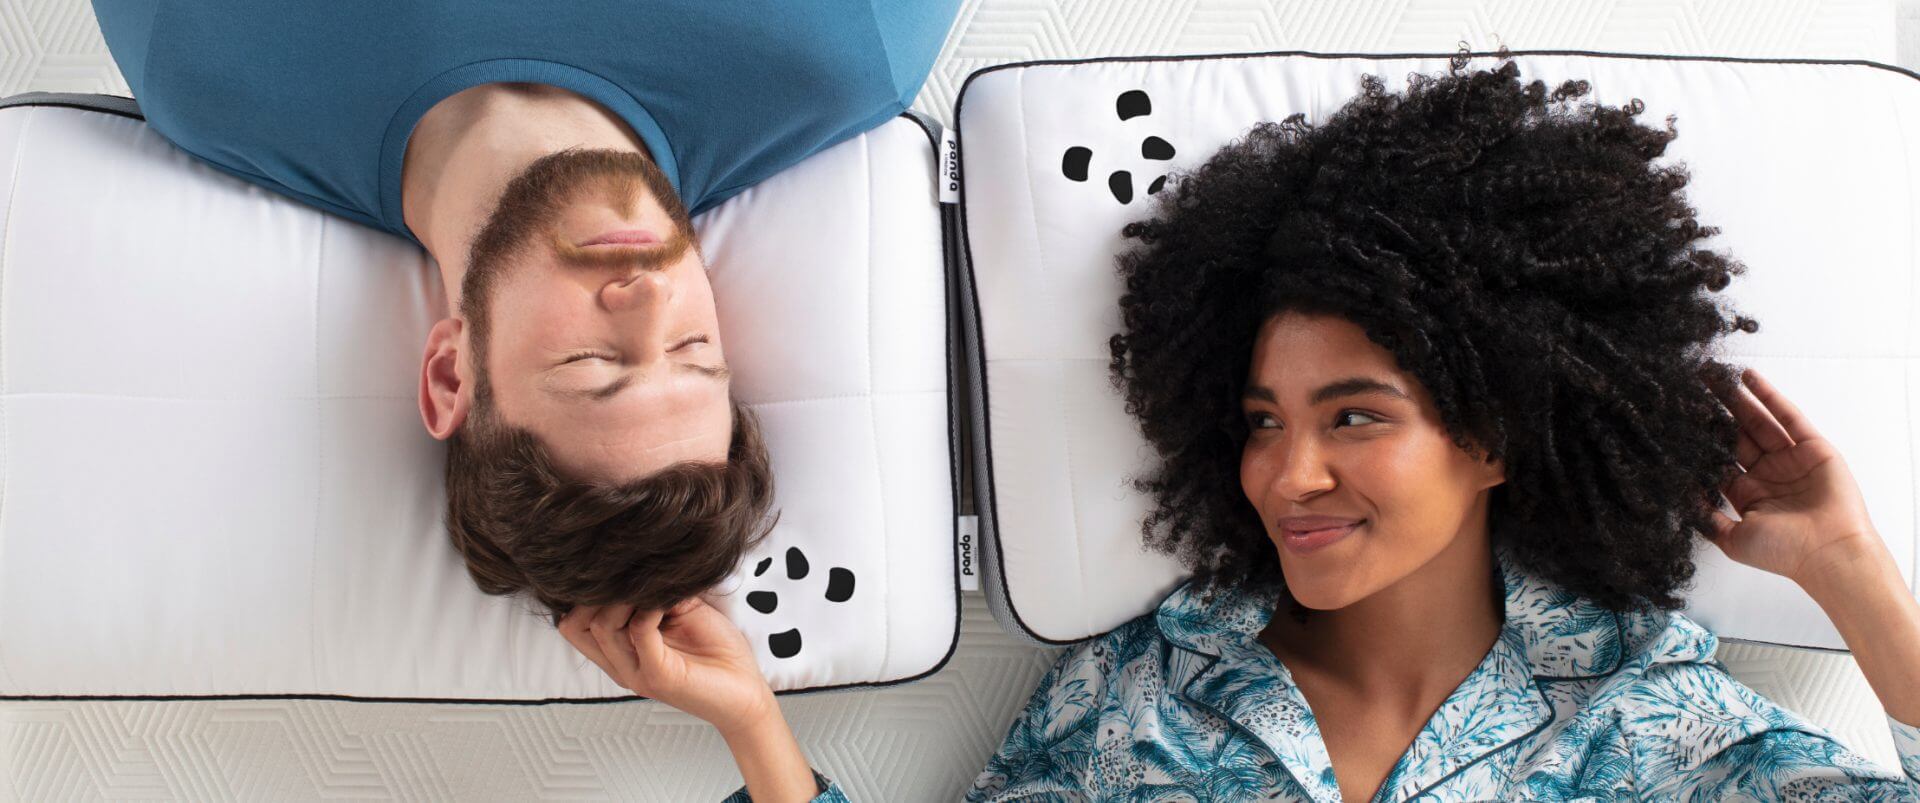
(1746, 451)
(1742, 491)
(1789, 418)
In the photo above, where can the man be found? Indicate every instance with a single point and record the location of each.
(548, 158)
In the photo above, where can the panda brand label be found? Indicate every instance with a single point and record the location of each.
(949, 167)
(969, 560)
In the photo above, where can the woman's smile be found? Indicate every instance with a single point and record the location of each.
(1302, 535)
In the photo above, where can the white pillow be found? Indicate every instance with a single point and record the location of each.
(214, 481)
(1809, 169)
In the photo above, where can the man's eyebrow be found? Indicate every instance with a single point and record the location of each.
(1351, 386)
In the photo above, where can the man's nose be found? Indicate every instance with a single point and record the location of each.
(636, 290)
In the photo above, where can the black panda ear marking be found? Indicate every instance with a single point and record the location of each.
(1121, 184)
(1156, 148)
(1133, 103)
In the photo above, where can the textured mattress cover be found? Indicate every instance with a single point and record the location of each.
(921, 741)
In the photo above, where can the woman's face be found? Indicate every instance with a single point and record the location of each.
(1347, 462)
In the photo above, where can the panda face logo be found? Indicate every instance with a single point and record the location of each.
(838, 589)
(1077, 162)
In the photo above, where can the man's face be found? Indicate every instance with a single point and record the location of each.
(592, 321)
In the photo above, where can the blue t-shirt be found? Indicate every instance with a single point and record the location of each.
(317, 100)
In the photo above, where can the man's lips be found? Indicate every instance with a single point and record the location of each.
(623, 237)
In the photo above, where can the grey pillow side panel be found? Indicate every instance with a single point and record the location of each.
(111, 104)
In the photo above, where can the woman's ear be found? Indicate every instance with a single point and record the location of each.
(1495, 472)
(445, 392)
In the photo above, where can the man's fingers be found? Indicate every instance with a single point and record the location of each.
(574, 628)
(643, 635)
(609, 632)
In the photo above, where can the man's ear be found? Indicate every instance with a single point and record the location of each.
(444, 395)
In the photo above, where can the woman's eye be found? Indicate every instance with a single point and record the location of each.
(1346, 414)
(1261, 421)
(586, 355)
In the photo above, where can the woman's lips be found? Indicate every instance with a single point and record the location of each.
(1301, 542)
(623, 237)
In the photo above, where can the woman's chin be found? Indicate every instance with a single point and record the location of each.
(1320, 590)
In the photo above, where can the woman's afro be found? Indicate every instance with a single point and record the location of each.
(1518, 251)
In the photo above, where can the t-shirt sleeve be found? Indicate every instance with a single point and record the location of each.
(127, 25)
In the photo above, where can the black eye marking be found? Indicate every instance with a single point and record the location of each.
(1133, 103)
(761, 568)
(1156, 148)
(1074, 163)
(763, 601)
(1121, 183)
(796, 564)
(1156, 185)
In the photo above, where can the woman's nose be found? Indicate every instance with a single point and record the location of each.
(1300, 472)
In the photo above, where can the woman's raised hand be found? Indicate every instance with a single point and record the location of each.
(1801, 512)
(690, 657)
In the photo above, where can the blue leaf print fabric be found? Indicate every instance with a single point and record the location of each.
(1574, 702)
(829, 792)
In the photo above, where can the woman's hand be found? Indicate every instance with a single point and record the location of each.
(1802, 516)
(1801, 513)
(689, 657)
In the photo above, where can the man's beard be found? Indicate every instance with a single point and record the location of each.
(524, 221)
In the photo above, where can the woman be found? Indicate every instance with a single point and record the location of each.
(1429, 381)
(1430, 386)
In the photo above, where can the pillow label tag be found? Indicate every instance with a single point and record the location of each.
(969, 557)
(949, 167)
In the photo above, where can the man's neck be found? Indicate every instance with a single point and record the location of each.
(467, 147)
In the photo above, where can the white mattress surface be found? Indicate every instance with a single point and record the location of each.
(920, 741)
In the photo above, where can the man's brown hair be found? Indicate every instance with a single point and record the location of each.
(518, 521)
(523, 526)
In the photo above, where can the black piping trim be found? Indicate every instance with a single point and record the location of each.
(988, 504)
(117, 105)
(933, 141)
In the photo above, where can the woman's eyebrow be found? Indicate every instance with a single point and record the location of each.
(1351, 386)
(1355, 386)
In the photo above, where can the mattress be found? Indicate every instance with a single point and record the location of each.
(918, 741)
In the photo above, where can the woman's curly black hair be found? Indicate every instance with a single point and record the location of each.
(1518, 252)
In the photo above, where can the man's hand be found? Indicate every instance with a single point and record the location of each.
(689, 657)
